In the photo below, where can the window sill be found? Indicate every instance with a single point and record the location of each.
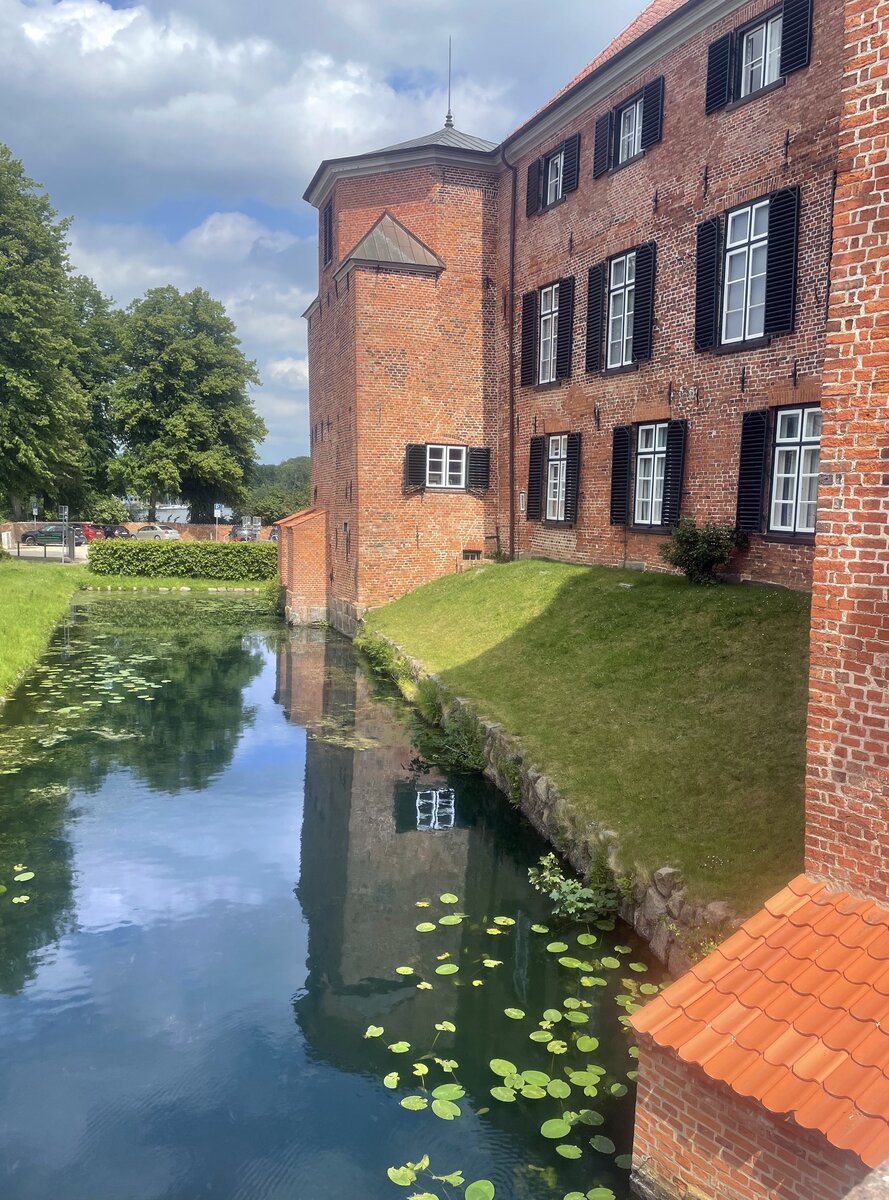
(661, 530)
(763, 91)
(546, 387)
(555, 204)
(737, 347)
(790, 539)
(625, 370)
(548, 524)
(435, 489)
(628, 162)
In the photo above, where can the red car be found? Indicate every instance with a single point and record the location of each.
(90, 531)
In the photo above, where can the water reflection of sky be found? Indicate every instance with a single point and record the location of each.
(193, 1036)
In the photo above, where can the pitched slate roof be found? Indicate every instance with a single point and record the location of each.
(793, 1011)
(447, 136)
(391, 244)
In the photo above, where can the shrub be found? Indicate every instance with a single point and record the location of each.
(428, 701)
(569, 896)
(699, 550)
(462, 741)
(187, 560)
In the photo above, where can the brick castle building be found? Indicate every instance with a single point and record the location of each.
(665, 294)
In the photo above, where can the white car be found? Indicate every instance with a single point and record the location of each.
(156, 533)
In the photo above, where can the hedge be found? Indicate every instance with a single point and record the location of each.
(188, 560)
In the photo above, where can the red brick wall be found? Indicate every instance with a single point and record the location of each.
(742, 151)
(847, 829)
(303, 565)
(399, 358)
(697, 1139)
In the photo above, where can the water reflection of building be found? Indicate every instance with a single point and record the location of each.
(367, 853)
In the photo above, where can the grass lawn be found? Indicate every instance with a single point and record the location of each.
(673, 714)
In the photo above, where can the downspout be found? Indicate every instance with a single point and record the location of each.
(510, 357)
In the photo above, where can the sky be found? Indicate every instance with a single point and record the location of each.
(179, 135)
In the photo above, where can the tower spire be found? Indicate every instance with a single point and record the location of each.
(449, 119)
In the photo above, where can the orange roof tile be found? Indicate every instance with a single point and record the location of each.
(653, 14)
(793, 1011)
(297, 518)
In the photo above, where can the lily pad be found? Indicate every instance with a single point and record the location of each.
(603, 1144)
(425, 927)
(480, 1189)
(424, 987)
(404, 970)
(552, 1015)
(373, 1031)
(391, 1080)
(445, 1026)
(586, 939)
(557, 947)
(610, 963)
(568, 1151)
(503, 1067)
(447, 969)
(492, 962)
(600, 1193)
(403, 1176)
(515, 1013)
(450, 919)
(540, 928)
(649, 989)
(400, 1047)
(536, 1078)
(505, 921)
(448, 1091)
(557, 1047)
(624, 1161)
(531, 1092)
(555, 1129)
(577, 1018)
(448, 898)
(558, 1089)
(23, 876)
(447, 1110)
(540, 1035)
(640, 968)
(414, 1103)
(571, 963)
(507, 1095)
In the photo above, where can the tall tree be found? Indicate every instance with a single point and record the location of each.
(181, 411)
(43, 409)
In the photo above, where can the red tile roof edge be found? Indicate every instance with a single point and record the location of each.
(298, 518)
(792, 1011)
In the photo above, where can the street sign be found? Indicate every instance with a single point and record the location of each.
(63, 512)
(217, 511)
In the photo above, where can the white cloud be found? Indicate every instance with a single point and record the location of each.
(291, 372)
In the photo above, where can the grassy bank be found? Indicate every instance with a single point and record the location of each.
(33, 598)
(675, 715)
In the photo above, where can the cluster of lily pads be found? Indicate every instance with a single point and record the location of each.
(22, 875)
(559, 1030)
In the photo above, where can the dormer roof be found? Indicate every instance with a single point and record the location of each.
(390, 244)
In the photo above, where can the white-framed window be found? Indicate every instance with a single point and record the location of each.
(549, 332)
(744, 287)
(629, 130)
(621, 302)
(556, 464)
(436, 809)
(651, 455)
(445, 466)
(795, 468)
(761, 55)
(554, 168)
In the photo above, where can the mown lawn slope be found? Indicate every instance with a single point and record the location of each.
(33, 598)
(673, 714)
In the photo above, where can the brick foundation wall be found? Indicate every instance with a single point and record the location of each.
(302, 566)
(662, 197)
(698, 1140)
(847, 815)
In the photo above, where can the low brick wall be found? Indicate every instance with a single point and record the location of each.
(678, 928)
(188, 533)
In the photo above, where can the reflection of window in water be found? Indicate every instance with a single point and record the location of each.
(436, 808)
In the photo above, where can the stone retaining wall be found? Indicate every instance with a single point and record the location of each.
(678, 929)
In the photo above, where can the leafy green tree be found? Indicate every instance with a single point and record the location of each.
(43, 407)
(270, 504)
(181, 411)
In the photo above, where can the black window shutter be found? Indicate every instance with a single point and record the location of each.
(328, 232)
(796, 35)
(415, 466)
(478, 469)
(781, 260)
(602, 148)
(572, 477)
(621, 444)
(674, 468)
(652, 112)
(534, 503)
(643, 308)
(529, 338)
(595, 316)
(719, 74)
(532, 195)
(565, 328)
(571, 163)
(707, 285)
(752, 470)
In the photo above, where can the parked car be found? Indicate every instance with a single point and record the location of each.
(51, 535)
(116, 531)
(243, 533)
(89, 530)
(156, 533)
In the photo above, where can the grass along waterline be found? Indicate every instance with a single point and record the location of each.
(672, 714)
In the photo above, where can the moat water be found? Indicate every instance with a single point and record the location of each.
(231, 838)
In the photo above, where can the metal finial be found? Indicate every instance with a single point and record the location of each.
(449, 119)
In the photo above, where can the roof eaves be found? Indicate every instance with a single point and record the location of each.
(313, 308)
(375, 264)
(379, 161)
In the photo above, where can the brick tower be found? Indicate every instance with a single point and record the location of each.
(403, 392)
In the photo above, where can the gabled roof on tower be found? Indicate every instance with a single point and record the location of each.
(391, 244)
(446, 136)
(793, 1011)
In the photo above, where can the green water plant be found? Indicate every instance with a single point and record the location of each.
(570, 897)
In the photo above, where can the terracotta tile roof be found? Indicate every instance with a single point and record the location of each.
(793, 1011)
(304, 514)
(655, 12)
